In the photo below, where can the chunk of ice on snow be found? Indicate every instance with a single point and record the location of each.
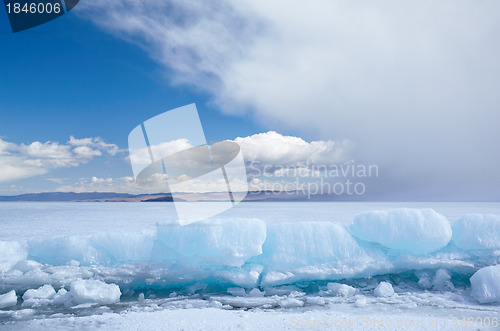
(8, 299)
(477, 231)
(319, 301)
(89, 291)
(215, 241)
(417, 231)
(309, 243)
(290, 303)
(384, 290)
(485, 284)
(310, 250)
(340, 290)
(38, 297)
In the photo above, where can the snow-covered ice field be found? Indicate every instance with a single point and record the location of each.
(261, 265)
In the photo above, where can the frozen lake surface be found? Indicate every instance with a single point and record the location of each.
(260, 265)
(24, 220)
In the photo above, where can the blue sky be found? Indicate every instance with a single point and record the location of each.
(69, 78)
(395, 85)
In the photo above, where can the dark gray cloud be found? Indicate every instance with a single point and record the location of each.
(413, 85)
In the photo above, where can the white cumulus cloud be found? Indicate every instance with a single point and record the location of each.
(37, 158)
(273, 148)
(92, 145)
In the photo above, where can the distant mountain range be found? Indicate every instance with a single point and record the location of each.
(167, 197)
(158, 197)
(88, 197)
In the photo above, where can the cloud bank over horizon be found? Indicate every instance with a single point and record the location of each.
(413, 86)
(275, 157)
